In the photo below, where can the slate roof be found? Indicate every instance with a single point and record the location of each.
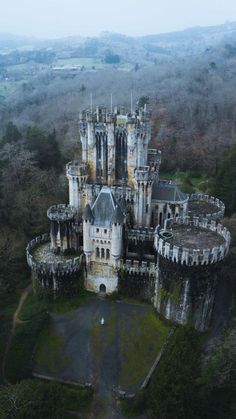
(118, 217)
(167, 191)
(105, 207)
(87, 214)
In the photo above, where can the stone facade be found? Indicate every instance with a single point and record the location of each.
(137, 234)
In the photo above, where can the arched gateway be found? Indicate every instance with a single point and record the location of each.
(102, 288)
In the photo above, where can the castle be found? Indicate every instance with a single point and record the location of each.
(129, 231)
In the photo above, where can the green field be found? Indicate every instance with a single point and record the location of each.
(188, 182)
(86, 62)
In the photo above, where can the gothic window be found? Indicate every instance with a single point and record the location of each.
(97, 230)
(107, 254)
(103, 253)
(97, 252)
(105, 231)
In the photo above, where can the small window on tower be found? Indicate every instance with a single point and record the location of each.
(105, 231)
(97, 230)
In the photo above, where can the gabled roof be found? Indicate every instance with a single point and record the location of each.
(104, 208)
(167, 191)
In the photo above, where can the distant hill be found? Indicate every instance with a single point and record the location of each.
(186, 42)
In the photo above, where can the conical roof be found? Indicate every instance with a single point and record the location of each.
(118, 216)
(87, 214)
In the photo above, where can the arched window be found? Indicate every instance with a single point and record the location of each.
(102, 253)
(97, 252)
(107, 254)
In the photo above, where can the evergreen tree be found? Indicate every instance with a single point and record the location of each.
(225, 182)
(173, 389)
(12, 134)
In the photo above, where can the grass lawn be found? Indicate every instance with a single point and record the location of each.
(51, 355)
(64, 305)
(20, 354)
(38, 303)
(142, 337)
(6, 314)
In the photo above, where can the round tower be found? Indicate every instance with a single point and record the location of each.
(117, 235)
(77, 175)
(188, 251)
(61, 233)
(87, 225)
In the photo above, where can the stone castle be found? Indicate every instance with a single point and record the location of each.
(127, 230)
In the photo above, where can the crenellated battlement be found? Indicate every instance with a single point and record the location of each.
(103, 115)
(135, 267)
(44, 267)
(206, 206)
(209, 241)
(141, 235)
(61, 212)
(77, 169)
(146, 173)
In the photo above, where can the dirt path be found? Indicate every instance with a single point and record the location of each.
(15, 321)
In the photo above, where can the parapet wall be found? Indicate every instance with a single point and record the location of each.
(103, 115)
(185, 256)
(144, 234)
(50, 268)
(210, 200)
(61, 212)
(76, 169)
(136, 267)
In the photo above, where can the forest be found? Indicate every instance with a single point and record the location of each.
(192, 95)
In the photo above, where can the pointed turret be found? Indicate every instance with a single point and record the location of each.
(87, 214)
(118, 217)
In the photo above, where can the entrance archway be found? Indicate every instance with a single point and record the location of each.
(102, 288)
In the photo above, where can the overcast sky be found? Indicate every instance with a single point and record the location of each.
(59, 18)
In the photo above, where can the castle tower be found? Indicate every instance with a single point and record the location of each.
(87, 223)
(117, 235)
(113, 145)
(61, 234)
(111, 150)
(77, 174)
(188, 251)
(143, 186)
